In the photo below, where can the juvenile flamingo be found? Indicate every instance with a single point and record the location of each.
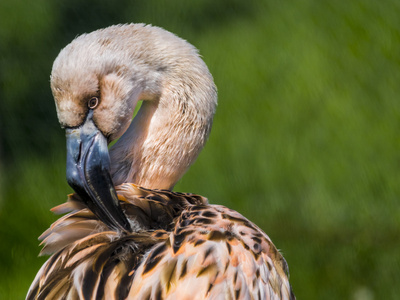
(126, 235)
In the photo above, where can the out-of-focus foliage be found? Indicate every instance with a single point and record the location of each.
(305, 142)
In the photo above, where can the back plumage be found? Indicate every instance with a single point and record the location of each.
(181, 248)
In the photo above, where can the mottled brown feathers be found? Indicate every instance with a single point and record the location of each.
(180, 244)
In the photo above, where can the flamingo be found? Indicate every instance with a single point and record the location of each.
(124, 233)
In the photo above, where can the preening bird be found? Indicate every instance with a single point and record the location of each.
(125, 234)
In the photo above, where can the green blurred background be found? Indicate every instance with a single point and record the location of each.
(305, 141)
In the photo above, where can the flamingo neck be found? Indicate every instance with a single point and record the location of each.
(167, 134)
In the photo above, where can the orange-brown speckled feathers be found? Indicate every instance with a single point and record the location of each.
(182, 248)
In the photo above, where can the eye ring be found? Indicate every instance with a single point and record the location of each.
(93, 102)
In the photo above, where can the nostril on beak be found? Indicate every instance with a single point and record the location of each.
(79, 152)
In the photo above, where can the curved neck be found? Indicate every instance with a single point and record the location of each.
(169, 131)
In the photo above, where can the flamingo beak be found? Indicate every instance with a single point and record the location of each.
(88, 173)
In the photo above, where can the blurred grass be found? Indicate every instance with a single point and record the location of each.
(305, 141)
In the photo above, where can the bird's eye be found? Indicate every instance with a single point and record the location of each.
(93, 102)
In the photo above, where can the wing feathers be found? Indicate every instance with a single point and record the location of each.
(181, 248)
